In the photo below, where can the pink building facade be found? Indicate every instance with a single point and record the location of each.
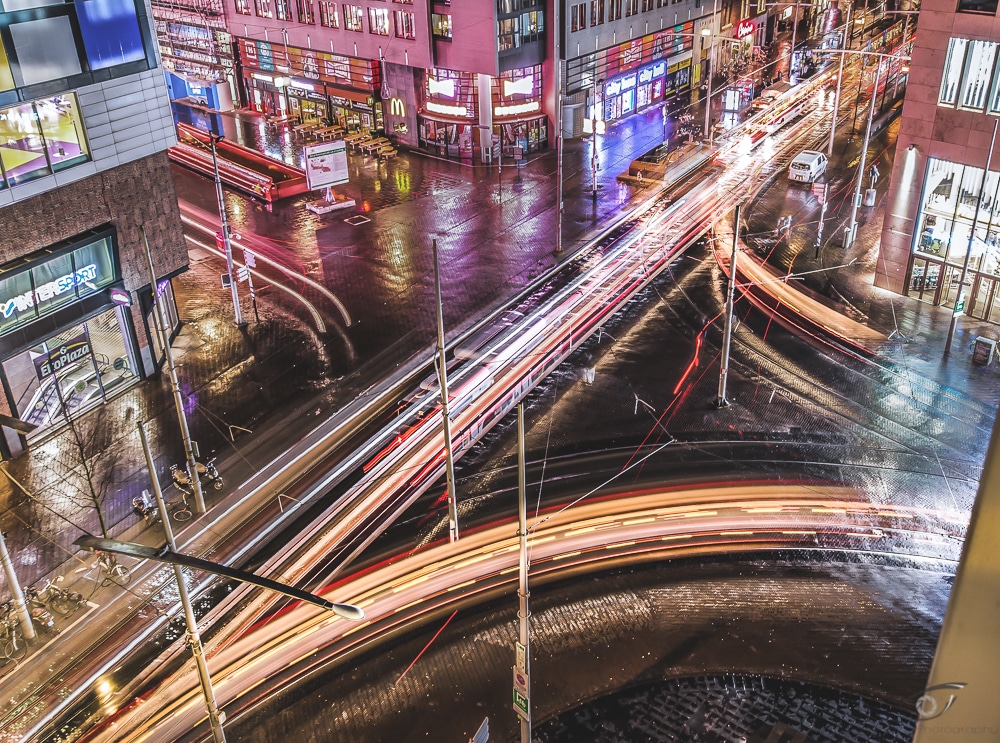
(943, 210)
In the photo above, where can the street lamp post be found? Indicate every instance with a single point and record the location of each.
(215, 716)
(727, 334)
(226, 242)
(711, 71)
(161, 329)
(853, 225)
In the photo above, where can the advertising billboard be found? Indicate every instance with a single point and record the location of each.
(326, 164)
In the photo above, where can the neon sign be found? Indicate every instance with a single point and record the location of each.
(45, 292)
(744, 29)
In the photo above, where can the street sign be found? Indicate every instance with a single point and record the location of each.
(250, 259)
(242, 273)
(520, 654)
(521, 705)
(483, 734)
(959, 307)
(227, 281)
(521, 682)
(819, 191)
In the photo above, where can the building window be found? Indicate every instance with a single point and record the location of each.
(305, 8)
(532, 26)
(404, 2)
(578, 14)
(406, 27)
(441, 25)
(263, 8)
(378, 21)
(647, 5)
(42, 137)
(614, 10)
(596, 12)
(508, 34)
(631, 7)
(243, 6)
(979, 67)
(328, 14)
(977, 6)
(283, 10)
(352, 17)
(952, 71)
(970, 73)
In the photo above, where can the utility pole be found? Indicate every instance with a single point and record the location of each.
(960, 298)
(226, 242)
(711, 71)
(522, 697)
(215, 717)
(852, 228)
(727, 334)
(17, 596)
(556, 57)
(840, 80)
(445, 419)
(161, 327)
(593, 142)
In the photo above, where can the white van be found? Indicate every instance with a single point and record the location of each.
(807, 166)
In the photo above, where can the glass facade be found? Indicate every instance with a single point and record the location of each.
(40, 138)
(41, 41)
(949, 228)
(971, 79)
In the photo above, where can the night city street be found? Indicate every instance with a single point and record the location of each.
(735, 281)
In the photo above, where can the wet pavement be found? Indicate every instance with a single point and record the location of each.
(248, 394)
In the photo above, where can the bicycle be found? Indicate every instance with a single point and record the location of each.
(115, 572)
(60, 600)
(12, 642)
(181, 511)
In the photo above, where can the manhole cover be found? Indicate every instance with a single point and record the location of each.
(356, 220)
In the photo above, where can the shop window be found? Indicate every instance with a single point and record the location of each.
(283, 10)
(306, 13)
(378, 21)
(353, 17)
(71, 371)
(406, 26)
(263, 8)
(40, 138)
(596, 12)
(441, 25)
(329, 16)
(243, 7)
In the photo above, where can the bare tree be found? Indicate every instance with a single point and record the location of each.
(96, 449)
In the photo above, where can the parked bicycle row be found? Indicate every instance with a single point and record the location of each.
(44, 604)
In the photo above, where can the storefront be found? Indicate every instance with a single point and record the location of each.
(448, 122)
(647, 86)
(67, 340)
(305, 84)
(949, 229)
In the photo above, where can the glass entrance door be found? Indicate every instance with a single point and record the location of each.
(68, 372)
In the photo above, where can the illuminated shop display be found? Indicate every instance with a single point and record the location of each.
(86, 346)
(949, 229)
